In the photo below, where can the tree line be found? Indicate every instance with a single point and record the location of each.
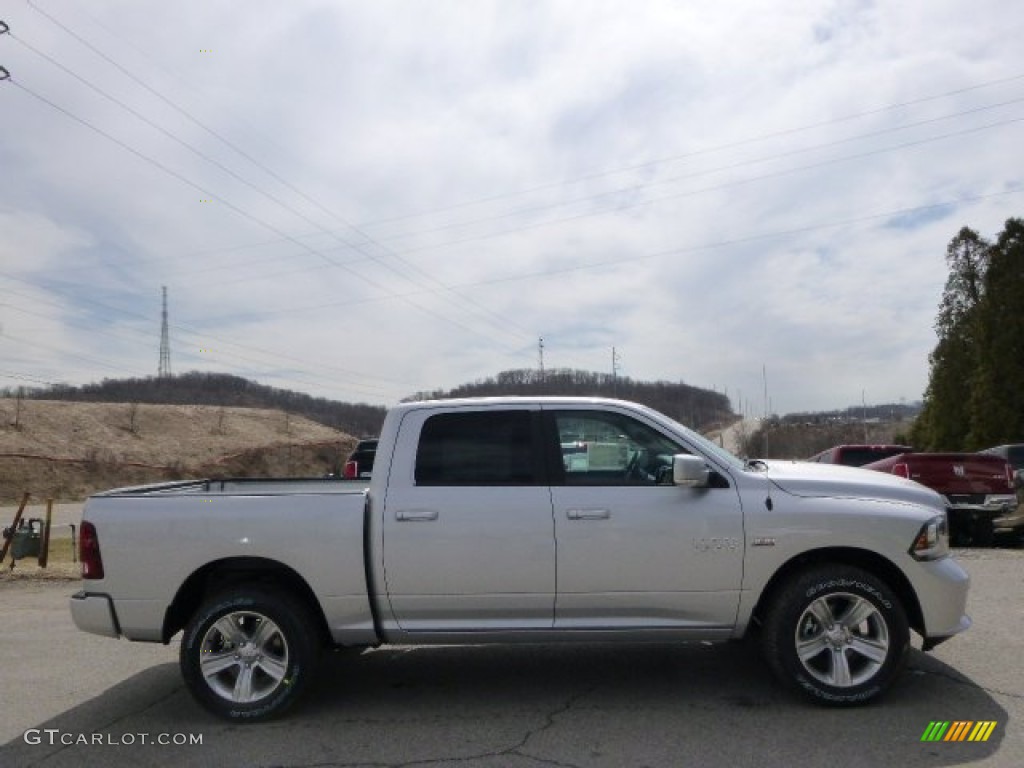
(975, 394)
(225, 390)
(696, 407)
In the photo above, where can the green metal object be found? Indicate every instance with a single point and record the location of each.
(27, 539)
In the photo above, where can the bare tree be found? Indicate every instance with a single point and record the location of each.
(133, 418)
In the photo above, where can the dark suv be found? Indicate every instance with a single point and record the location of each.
(360, 463)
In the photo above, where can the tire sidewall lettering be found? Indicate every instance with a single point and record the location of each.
(847, 584)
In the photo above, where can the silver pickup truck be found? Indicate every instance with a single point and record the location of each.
(525, 520)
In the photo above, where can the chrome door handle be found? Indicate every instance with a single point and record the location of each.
(588, 514)
(417, 515)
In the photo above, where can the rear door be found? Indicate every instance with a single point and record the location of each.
(635, 551)
(468, 540)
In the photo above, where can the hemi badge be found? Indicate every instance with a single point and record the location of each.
(763, 541)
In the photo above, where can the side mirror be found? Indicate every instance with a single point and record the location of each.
(690, 471)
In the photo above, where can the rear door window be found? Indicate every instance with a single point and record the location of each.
(479, 448)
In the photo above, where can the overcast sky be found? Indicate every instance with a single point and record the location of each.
(362, 200)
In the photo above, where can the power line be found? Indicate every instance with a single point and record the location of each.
(1016, 188)
(707, 172)
(505, 324)
(703, 151)
(251, 217)
(717, 187)
(173, 173)
(449, 287)
(502, 323)
(16, 376)
(357, 384)
(620, 207)
(713, 188)
(634, 188)
(549, 185)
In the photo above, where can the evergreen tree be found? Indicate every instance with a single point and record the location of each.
(997, 397)
(945, 421)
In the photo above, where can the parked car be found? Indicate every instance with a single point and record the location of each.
(978, 488)
(486, 521)
(858, 455)
(359, 464)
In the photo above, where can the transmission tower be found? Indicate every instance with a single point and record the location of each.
(165, 344)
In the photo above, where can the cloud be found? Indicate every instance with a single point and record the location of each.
(382, 198)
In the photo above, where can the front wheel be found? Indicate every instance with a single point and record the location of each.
(836, 633)
(247, 654)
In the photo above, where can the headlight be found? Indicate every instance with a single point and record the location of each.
(932, 542)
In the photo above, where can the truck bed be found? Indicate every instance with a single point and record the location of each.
(245, 486)
(179, 535)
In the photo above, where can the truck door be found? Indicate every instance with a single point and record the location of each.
(468, 536)
(633, 550)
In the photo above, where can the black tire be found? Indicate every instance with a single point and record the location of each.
(958, 534)
(983, 533)
(248, 654)
(837, 634)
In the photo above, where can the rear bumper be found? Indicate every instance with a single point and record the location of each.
(1012, 521)
(95, 614)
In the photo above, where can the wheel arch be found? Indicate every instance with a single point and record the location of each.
(228, 573)
(868, 561)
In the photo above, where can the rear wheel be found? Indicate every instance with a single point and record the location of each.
(836, 633)
(248, 654)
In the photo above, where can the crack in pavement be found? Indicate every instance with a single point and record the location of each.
(109, 726)
(959, 680)
(516, 749)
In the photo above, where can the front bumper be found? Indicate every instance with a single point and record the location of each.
(941, 587)
(95, 614)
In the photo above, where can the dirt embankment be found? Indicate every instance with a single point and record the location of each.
(67, 450)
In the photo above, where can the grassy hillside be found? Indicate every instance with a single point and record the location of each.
(67, 450)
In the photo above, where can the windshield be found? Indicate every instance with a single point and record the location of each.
(707, 446)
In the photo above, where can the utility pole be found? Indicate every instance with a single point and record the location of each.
(864, 414)
(540, 356)
(164, 371)
(764, 423)
(764, 374)
(615, 372)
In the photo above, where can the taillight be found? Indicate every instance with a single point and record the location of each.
(89, 552)
(1009, 476)
(902, 469)
(351, 469)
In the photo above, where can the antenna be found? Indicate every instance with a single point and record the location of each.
(540, 356)
(164, 370)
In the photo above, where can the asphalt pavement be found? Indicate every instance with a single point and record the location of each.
(71, 699)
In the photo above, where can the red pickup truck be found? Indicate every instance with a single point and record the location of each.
(978, 487)
(858, 455)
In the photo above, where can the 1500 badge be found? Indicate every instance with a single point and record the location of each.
(716, 543)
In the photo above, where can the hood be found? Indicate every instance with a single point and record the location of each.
(801, 478)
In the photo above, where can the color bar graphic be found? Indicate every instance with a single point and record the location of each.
(959, 730)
